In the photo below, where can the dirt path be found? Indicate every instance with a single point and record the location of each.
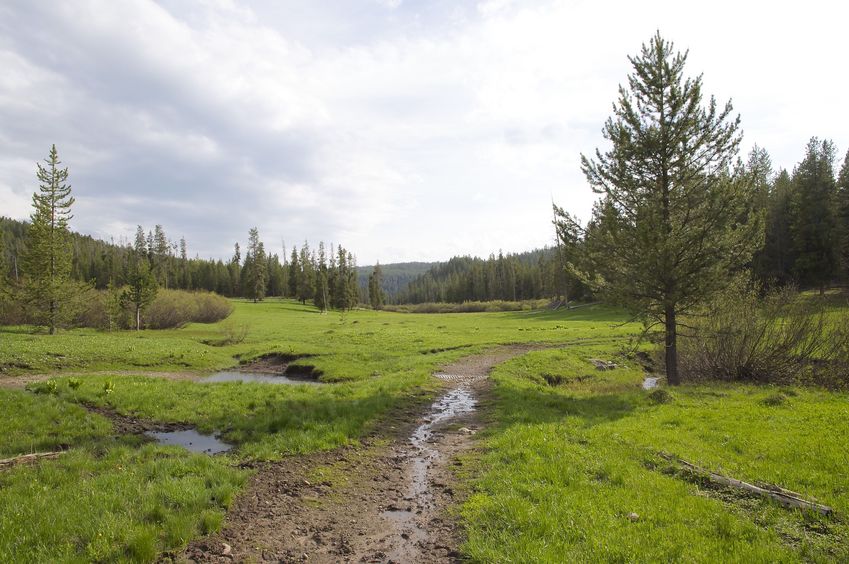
(378, 503)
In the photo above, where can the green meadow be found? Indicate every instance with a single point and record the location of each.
(575, 472)
(569, 456)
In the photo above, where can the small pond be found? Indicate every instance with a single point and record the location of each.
(237, 376)
(192, 440)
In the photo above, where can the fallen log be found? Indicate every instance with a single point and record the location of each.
(784, 497)
(29, 458)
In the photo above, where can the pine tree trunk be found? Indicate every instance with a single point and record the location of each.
(52, 315)
(671, 347)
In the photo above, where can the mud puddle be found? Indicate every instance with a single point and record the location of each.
(263, 378)
(390, 499)
(191, 440)
(410, 528)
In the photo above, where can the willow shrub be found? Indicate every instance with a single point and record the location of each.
(175, 308)
(170, 309)
(780, 337)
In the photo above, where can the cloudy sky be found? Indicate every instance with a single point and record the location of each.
(407, 130)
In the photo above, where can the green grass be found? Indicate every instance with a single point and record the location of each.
(570, 452)
(119, 504)
(44, 423)
(566, 465)
(350, 346)
(141, 500)
(265, 421)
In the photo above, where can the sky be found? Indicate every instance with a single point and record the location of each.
(404, 130)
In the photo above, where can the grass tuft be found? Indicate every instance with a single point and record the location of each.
(660, 396)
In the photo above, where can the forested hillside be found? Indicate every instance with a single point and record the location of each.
(396, 276)
(522, 276)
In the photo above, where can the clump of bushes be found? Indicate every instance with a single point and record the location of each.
(781, 336)
(169, 309)
(175, 308)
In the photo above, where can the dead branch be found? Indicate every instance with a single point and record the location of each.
(784, 497)
(29, 458)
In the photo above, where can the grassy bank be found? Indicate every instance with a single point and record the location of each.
(572, 471)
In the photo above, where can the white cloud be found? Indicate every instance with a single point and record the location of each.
(402, 129)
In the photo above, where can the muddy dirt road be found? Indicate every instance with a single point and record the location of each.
(382, 502)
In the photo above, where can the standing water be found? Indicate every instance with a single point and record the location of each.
(236, 376)
(650, 383)
(192, 441)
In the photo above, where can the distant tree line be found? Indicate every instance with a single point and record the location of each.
(806, 219)
(511, 277)
(329, 279)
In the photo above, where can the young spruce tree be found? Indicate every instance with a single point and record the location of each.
(48, 258)
(675, 214)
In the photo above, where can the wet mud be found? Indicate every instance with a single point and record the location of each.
(389, 500)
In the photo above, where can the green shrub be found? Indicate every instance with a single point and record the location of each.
(211, 307)
(170, 309)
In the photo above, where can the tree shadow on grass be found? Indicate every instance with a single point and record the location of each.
(535, 405)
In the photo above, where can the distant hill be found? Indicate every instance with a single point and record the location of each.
(396, 276)
(529, 275)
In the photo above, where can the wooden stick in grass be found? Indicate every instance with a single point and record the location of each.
(27, 458)
(786, 498)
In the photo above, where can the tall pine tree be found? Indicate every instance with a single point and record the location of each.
(375, 291)
(669, 228)
(814, 227)
(843, 215)
(255, 264)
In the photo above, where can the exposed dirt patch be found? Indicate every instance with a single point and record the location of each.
(302, 372)
(275, 363)
(129, 425)
(388, 501)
